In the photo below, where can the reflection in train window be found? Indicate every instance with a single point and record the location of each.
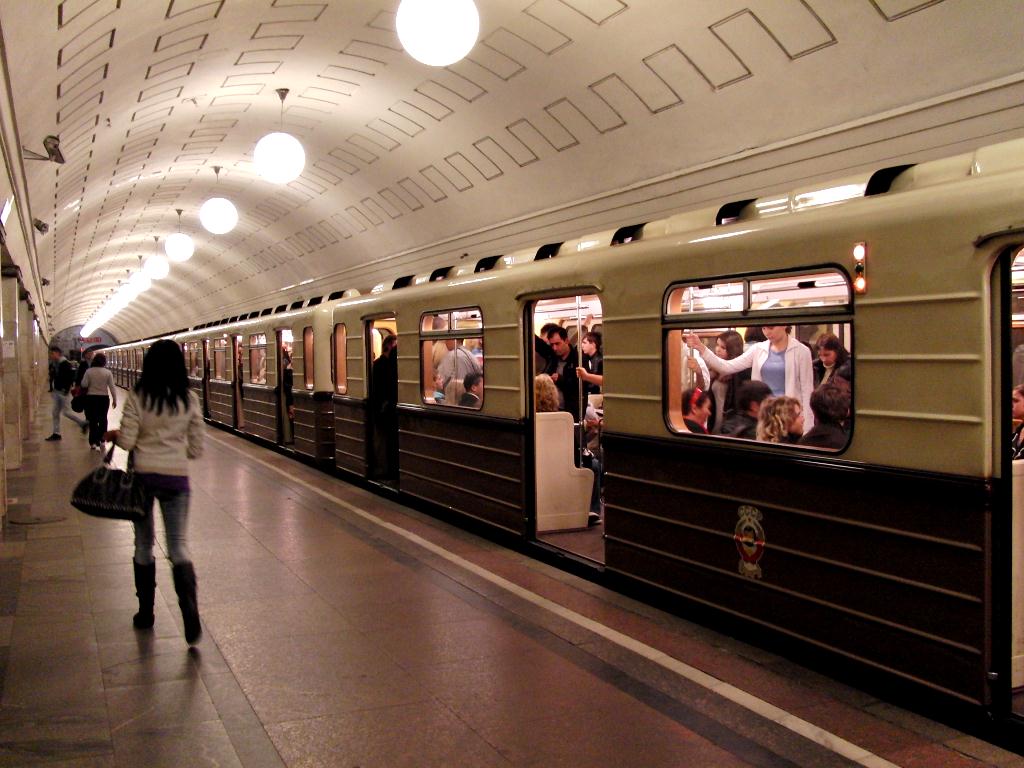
(220, 359)
(452, 358)
(258, 358)
(339, 367)
(785, 378)
(307, 356)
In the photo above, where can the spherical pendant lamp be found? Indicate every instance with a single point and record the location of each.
(218, 215)
(279, 156)
(179, 246)
(438, 32)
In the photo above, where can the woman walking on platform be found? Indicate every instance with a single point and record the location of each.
(162, 424)
(96, 382)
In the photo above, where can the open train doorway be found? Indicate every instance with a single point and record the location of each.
(236, 381)
(1015, 594)
(382, 406)
(286, 394)
(567, 380)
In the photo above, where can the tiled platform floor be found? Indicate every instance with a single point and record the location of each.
(331, 640)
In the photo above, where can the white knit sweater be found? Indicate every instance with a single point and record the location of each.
(164, 442)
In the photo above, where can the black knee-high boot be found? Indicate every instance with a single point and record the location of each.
(145, 588)
(185, 585)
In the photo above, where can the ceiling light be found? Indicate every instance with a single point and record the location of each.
(179, 246)
(218, 215)
(279, 156)
(156, 267)
(438, 32)
(140, 282)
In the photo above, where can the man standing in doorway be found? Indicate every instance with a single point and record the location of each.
(62, 381)
(560, 361)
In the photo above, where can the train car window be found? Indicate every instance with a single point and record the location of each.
(339, 362)
(220, 359)
(763, 358)
(258, 358)
(452, 358)
(307, 356)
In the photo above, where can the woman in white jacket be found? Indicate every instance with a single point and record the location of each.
(781, 362)
(162, 424)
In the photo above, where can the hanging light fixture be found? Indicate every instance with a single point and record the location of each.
(156, 267)
(218, 215)
(179, 246)
(279, 157)
(438, 32)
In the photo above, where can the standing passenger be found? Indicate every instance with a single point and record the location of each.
(560, 364)
(96, 383)
(1017, 441)
(781, 362)
(162, 425)
(592, 370)
(728, 346)
(384, 403)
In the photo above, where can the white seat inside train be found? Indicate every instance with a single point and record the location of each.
(563, 489)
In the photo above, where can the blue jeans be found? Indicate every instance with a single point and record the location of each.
(62, 405)
(174, 507)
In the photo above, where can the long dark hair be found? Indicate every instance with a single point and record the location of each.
(164, 380)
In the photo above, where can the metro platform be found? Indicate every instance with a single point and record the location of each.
(343, 629)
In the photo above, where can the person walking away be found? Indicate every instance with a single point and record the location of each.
(96, 383)
(63, 378)
(162, 423)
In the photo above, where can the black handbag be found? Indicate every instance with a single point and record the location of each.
(109, 492)
(78, 403)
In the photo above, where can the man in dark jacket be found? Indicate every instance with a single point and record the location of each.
(743, 422)
(560, 362)
(64, 377)
(831, 406)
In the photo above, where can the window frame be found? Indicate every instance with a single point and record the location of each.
(682, 322)
(459, 335)
(255, 347)
(308, 370)
(220, 345)
(339, 373)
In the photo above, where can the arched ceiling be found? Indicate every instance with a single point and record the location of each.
(567, 116)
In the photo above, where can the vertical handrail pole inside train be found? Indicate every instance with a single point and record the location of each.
(579, 382)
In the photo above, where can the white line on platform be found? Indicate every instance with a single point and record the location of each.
(727, 691)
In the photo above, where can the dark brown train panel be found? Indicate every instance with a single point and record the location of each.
(314, 426)
(221, 402)
(470, 464)
(259, 408)
(350, 435)
(884, 568)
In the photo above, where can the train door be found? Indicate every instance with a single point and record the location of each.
(1011, 404)
(567, 407)
(285, 390)
(206, 378)
(236, 381)
(382, 413)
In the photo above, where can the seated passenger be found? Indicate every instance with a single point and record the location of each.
(743, 422)
(831, 406)
(1017, 441)
(781, 420)
(696, 410)
(456, 364)
(474, 394)
(833, 361)
(545, 394)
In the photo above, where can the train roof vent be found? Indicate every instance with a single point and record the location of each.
(223, 321)
(439, 274)
(731, 212)
(881, 180)
(587, 242)
(487, 263)
(281, 308)
(314, 301)
(628, 234)
(267, 311)
(402, 282)
(233, 319)
(335, 295)
(296, 304)
(547, 251)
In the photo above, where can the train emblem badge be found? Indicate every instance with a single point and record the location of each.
(749, 537)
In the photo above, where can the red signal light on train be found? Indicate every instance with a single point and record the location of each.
(860, 257)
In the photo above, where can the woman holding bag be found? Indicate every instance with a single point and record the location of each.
(96, 383)
(162, 424)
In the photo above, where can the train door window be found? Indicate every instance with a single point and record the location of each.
(339, 362)
(220, 359)
(568, 408)
(307, 356)
(258, 358)
(287, 344)
(452, 358)
(762, 358)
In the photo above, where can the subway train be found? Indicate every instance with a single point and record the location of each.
(891, 558)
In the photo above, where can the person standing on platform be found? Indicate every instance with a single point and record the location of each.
(162, 424)
(96, 383)
(63, 378)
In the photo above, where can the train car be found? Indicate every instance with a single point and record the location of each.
(886, 552)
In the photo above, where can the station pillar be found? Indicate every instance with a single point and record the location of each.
(10, 296)
(25, 354)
